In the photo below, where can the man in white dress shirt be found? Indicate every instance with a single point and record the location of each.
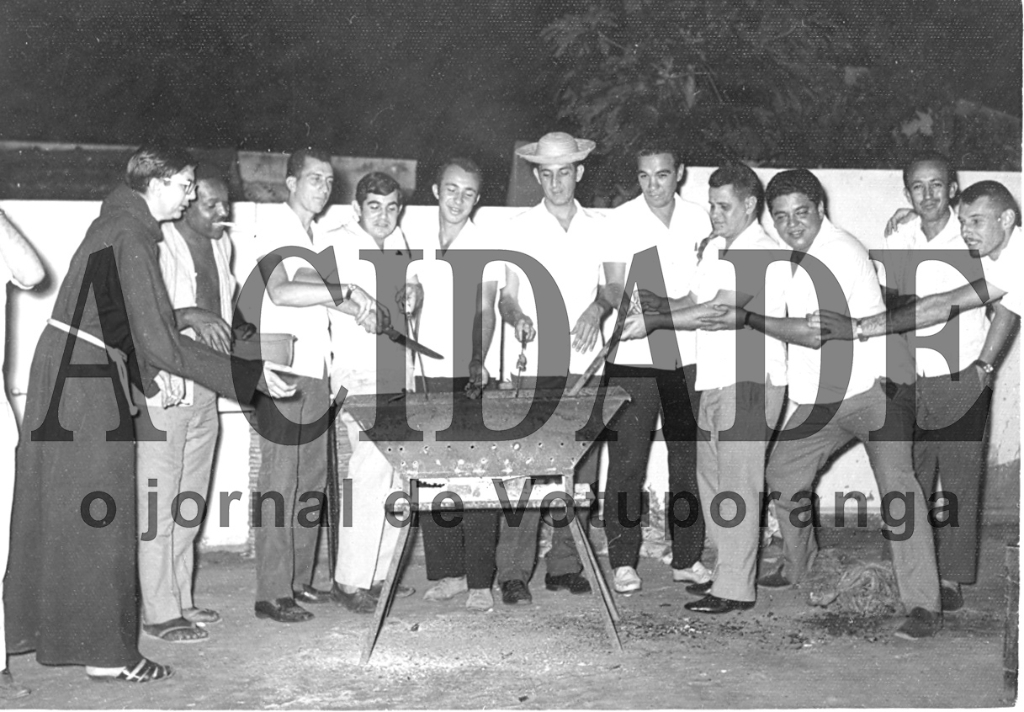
(293, 446)
(459, 556)
(573, 244)
(367, 543)
(741, 398)
(838, 400)
(659, 371)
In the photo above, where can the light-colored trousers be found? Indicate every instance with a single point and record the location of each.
(366, 541)
(8, 440)
(181, 463)
(731, 469)
(794, 466)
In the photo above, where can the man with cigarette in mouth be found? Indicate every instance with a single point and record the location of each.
(195, 261)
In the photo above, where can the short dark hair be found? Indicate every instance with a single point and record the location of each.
(656, 146)
(297, 161)
(742, 179)
(210, 172)
(798, 180)
(379, 184)
(466, 164)
(929, 157)
(155, 161)
(994, 191)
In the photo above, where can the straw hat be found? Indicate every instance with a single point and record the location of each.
(556, 147)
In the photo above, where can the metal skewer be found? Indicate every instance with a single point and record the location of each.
(520, 367)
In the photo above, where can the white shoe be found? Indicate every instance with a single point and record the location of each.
(446, 588)
(626, 580)
(480, 599)
(698, 573)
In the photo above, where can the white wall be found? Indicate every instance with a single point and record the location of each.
(859, 201)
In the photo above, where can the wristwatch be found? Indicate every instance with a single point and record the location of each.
(988, 368)
(347, 292)
(858, 331)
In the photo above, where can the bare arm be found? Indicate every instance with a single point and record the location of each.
(927, 311)
(609, 296)
(787, 329)
(1003, 324)
(511, 313)
(21, 258)
(484, 323)
(306, 290)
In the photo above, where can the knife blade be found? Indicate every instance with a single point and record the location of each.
(399, 338)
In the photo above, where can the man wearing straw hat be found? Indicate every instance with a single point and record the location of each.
(575, 247)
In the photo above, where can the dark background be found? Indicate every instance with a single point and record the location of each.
(388, 78)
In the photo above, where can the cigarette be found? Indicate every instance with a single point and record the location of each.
(225, 224)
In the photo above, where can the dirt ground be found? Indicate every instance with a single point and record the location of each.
(555, 654)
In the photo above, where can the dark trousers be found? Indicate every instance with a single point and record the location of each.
(652, 391)
(460, 544)
(949, 442)
(517, 542)
(290, 470)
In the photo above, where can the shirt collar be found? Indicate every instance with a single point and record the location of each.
(949, 236)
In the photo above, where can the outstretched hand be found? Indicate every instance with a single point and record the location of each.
(654, 303)
(586, 330)
(832, 325)
(634, 327)
(723, 318)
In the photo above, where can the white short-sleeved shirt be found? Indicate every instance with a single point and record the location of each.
(717, 350)
(354, 351)
(1005, 272)
(634, 228)
(847, 260)
(437, 327)
(575, 260)
(936, 277)
(279, 226)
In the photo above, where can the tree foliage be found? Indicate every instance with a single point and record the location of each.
(772, 82)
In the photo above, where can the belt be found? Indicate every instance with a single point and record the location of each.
(116, 355)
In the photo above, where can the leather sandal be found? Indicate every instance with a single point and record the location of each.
(143, 671)
(177, 630)
(206, 616)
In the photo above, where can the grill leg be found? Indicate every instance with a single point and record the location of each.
(387, 594)
(598, 584)
(333, 508)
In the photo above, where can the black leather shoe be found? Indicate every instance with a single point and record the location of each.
(308, 594)
(700, 589)
(282, 610)
(952, 599)
(362, 601)
(775, 580)
(713, 604)
(515, 591)
(573, 583)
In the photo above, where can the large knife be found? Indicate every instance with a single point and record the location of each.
(416, 347)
